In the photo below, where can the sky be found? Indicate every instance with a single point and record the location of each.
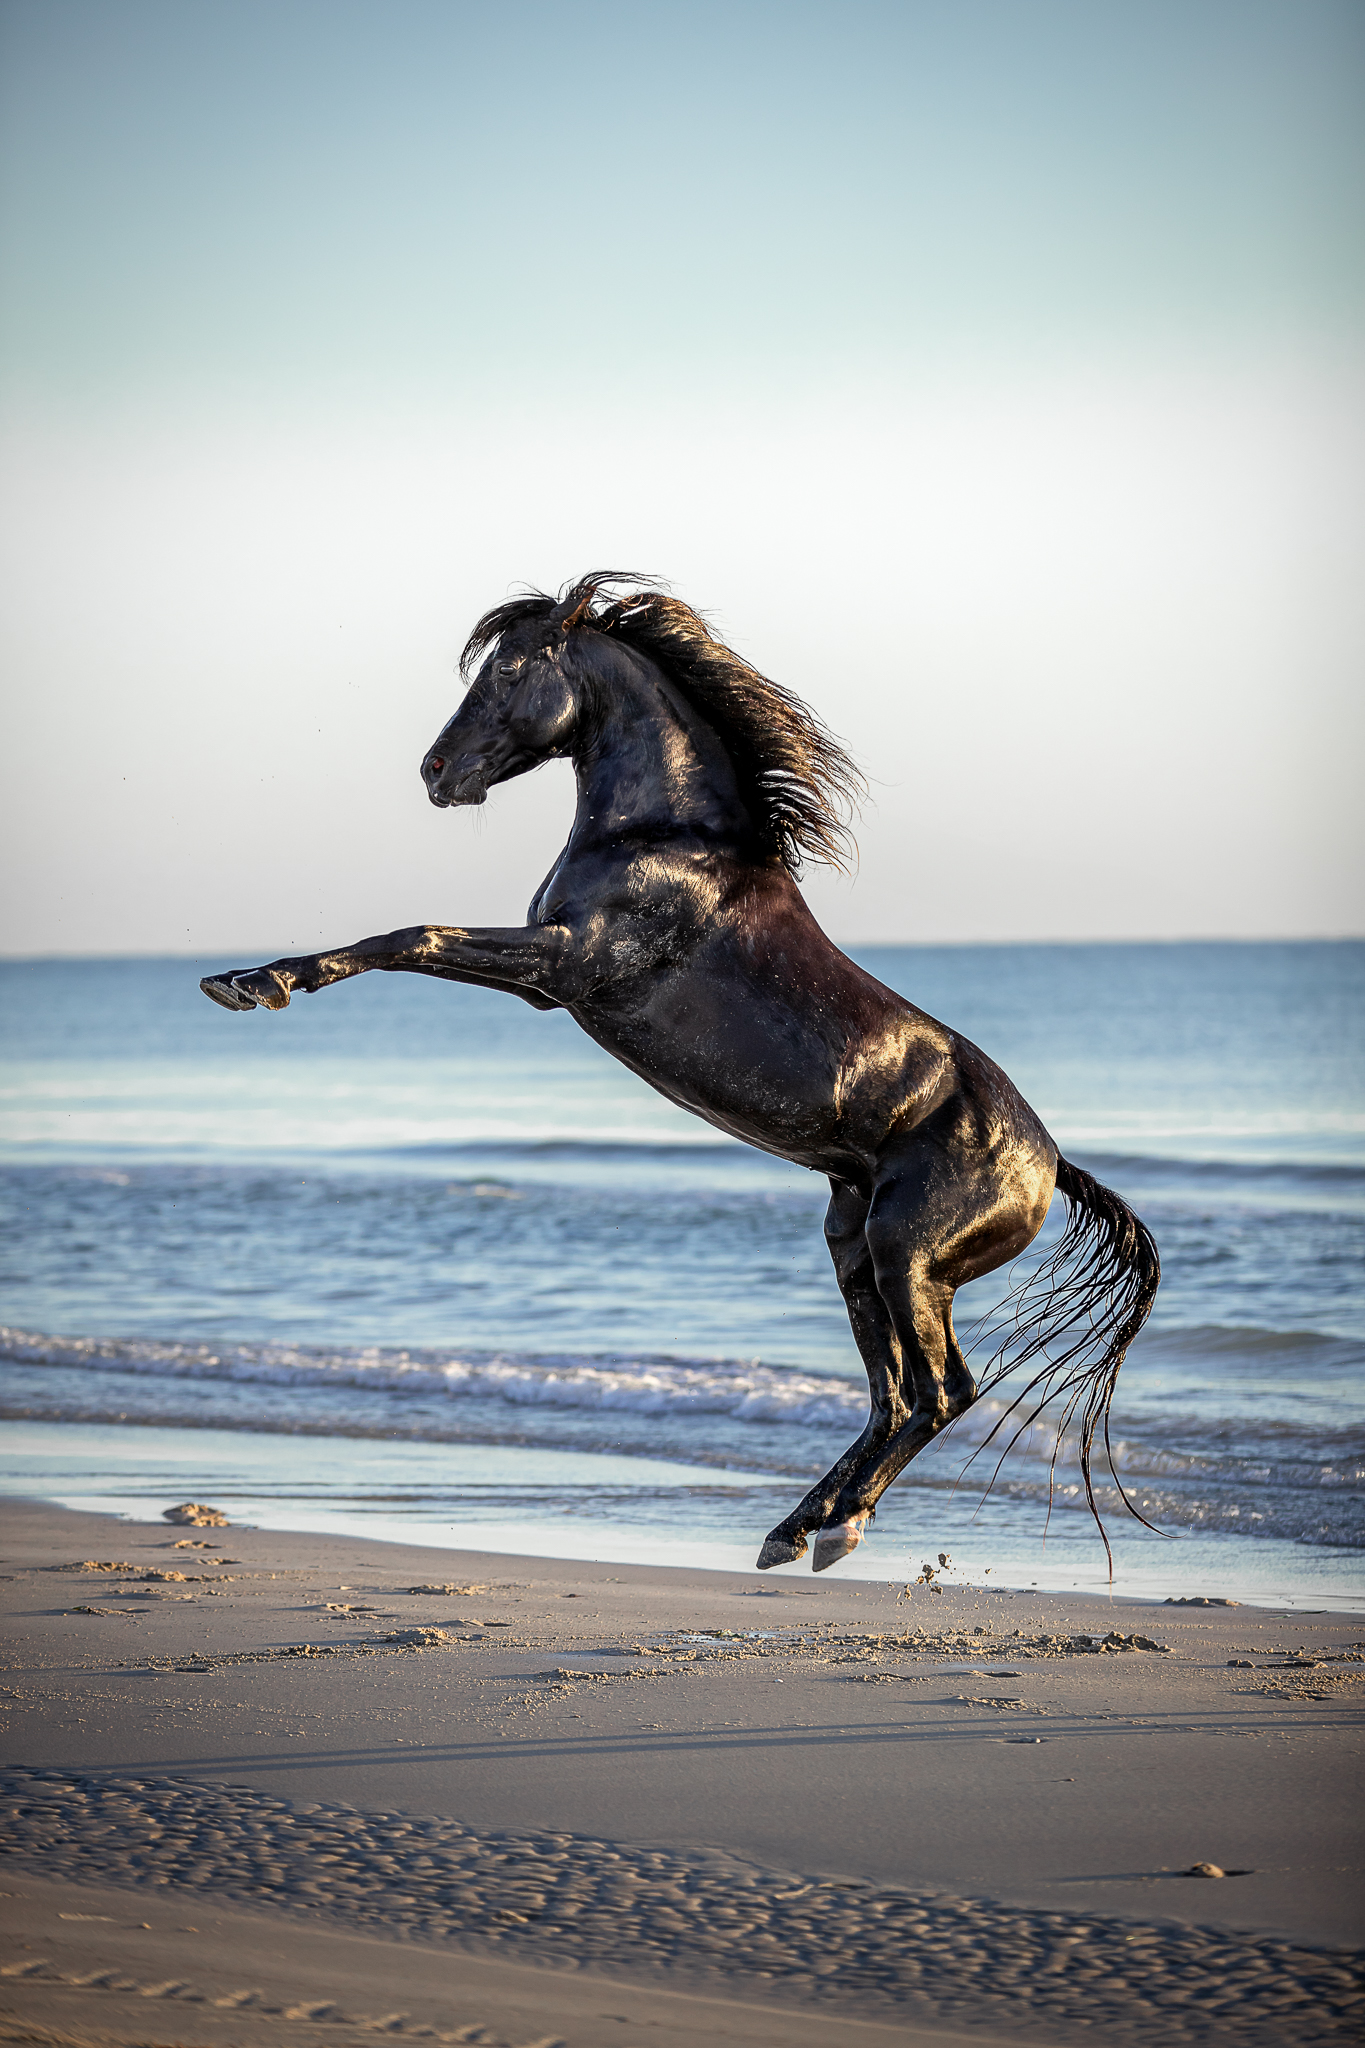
(989, 371)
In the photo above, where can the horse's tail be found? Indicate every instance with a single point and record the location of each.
(1078, 1312)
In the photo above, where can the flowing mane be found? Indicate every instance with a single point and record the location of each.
(802, 787)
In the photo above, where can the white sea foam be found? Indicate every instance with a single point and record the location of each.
(670, 1391)
(746, 1391)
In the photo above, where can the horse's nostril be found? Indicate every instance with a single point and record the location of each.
(436, 764)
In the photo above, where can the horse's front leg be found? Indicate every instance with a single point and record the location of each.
(527, 961)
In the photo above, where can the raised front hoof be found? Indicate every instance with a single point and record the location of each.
(780, 1549)
(254, 988)
(218, 988)
(832, 1544)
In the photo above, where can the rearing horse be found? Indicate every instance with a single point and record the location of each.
(671, 928)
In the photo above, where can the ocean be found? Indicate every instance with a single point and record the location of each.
(413, 1260)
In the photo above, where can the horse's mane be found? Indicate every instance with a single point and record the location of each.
(800, 784)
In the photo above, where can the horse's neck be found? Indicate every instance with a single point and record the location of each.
(653, 765)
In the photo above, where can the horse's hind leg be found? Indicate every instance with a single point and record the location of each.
(875, 1335)
(939, 1386)
(933, 1225)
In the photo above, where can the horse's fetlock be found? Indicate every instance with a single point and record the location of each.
(267, 987)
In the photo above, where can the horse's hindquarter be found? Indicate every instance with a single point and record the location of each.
(999, 1166)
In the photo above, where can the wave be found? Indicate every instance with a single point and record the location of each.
(1346, 1175)
(1230, 1472)
(603, 1149)
(1285, 1185)
(631, 1145)
(1159, 1437)
(546, 1143)
(1299, 1350)
(743, 1391)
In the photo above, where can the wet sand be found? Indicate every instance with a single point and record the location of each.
(343, 1781)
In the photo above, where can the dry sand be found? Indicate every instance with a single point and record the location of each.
(293, 1787)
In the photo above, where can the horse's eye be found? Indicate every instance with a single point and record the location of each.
(509, 668)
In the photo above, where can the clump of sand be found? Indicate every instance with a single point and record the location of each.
(420, 1638)
(449, 1591)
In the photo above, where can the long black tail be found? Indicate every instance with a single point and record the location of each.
(1078, 1312)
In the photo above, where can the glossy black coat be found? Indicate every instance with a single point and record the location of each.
(677, 937)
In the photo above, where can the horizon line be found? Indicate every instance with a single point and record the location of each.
(21, 959)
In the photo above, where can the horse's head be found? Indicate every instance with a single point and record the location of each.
(521, 709)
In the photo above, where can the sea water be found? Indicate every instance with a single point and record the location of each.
(414, 1260)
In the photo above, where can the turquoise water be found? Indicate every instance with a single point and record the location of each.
(497, 1285)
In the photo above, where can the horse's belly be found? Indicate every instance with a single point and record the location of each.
(761, 1078)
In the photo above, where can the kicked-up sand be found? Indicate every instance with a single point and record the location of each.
(284, 1788)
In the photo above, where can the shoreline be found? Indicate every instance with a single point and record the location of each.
(577, 1506)
(959, 1813)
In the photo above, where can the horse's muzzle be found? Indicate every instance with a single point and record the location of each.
(453, 782)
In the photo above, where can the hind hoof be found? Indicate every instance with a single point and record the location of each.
(832, 1544)
(780, 1550)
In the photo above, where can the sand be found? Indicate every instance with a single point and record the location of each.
(351, 1786)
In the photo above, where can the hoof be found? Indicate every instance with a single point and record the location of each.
(219, 989)
(778, 1549)
(832, 1544)
(253, 988)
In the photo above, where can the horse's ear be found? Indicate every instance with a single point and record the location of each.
(577, 616)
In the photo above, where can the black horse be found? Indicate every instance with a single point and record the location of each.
(671, 928)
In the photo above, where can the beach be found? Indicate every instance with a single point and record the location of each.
(284, 1786)
(477, 1723)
